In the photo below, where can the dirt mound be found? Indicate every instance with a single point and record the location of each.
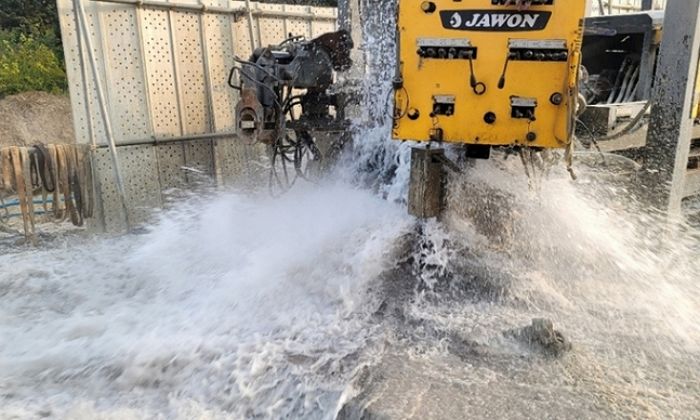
(35, 117)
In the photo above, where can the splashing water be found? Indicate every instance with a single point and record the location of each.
(228, 311)
(330, 302)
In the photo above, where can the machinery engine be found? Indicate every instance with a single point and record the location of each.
(286, 93)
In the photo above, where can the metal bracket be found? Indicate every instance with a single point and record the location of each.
(427, 181)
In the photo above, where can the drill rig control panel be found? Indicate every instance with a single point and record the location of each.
(488, 72)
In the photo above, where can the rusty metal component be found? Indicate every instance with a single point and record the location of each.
(250, 116)
(286, 94)
(267, 79)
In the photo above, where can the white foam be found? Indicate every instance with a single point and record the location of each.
(240, 305)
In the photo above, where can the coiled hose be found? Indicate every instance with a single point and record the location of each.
(64, 171)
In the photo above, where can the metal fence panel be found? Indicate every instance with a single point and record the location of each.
(622, 6)
(164, 68)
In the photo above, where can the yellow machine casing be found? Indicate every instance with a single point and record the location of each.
(488, 73)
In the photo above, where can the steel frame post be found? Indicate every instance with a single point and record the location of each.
(350, 19)
(426, 192)
(84, 34)
(671, 123)
(344, 14)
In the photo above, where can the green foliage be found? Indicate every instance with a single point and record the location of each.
(28, 62)
(31, 55)
(28, 15)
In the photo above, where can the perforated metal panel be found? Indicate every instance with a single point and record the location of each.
(164, 74)
(298, 26)
(220, 53)
(271, 32)
(158, 54)
(142, 182)
(107, 203)
(125, 75)
(171, 159)
(318, 26)
(242, 164)
(190, 61)
(142, 185)
(73, 56)
(199, 155)
(623, 6)
(92, 101)
(241, 34)
(86, 116)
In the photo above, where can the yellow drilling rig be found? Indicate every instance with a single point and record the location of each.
(484, 74)
(488, 73)
(477, 73)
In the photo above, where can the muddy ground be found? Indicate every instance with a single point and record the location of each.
(35, 117)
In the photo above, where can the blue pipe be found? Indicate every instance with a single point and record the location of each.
(2, 216)
(14, 203)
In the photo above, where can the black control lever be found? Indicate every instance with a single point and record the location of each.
(502, 80)
(479, 88)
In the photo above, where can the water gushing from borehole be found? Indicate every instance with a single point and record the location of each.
(331, 300)
(237, 307)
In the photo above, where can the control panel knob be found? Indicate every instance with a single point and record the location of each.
(556, 99)
(428, 6)
(413, 114)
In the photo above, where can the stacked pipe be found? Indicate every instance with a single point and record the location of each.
(62, 171)
(626, 82)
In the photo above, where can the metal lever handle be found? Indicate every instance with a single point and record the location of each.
(479, 88)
